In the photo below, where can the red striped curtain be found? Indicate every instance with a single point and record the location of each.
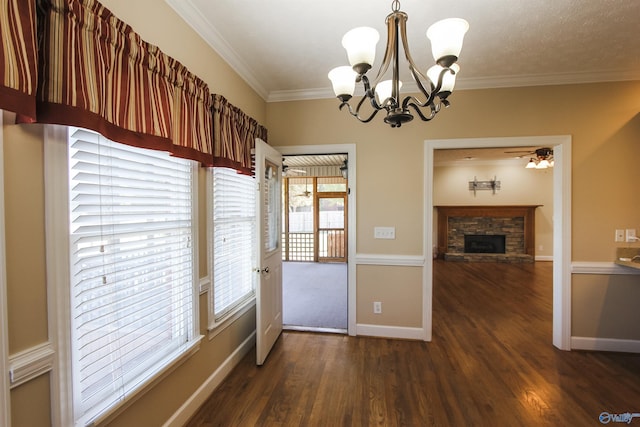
(234, 136)
(96, 72)
(18, 78)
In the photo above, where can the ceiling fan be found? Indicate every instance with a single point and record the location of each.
(306, 192)
(543, 158)
(287, 171)
(543, 152)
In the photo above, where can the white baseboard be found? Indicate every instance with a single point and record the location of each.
(188, 408)
(544, 257)
(390, 332)
(605, 344)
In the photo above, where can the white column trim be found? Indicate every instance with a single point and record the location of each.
(5, 404)
(30, 363)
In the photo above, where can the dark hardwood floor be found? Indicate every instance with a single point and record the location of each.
(490, 363)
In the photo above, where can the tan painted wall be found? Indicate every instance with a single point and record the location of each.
(24, 216)
(602, 119)
(518, 186)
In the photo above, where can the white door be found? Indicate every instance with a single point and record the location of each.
(269, 287)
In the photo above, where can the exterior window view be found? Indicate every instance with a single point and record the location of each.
(245, 213)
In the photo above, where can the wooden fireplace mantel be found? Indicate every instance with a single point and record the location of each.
(499, 211)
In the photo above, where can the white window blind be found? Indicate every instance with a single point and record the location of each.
(132, 267)
(234, 235)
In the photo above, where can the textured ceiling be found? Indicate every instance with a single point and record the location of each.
(284, 48)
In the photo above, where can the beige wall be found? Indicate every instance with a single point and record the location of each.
(518, 186)
(602, 119)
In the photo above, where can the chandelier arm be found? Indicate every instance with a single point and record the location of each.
(389, 53)
(434, 108)
(356, 113)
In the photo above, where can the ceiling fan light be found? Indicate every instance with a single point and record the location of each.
(542, 164)
(384, 90)
(360, 44)
(446, 39)
(343, 80)
(531, 164)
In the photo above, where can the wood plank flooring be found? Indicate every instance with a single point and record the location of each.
(491, 363)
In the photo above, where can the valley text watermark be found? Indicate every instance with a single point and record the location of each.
(627, 417)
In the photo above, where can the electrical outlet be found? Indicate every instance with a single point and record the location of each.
(619, 236)
(384, 233)
(377, 307)
(631, 234)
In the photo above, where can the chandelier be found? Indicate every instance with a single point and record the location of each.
(360, 43)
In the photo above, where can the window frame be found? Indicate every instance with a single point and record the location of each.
(215, 326)
(57, 225)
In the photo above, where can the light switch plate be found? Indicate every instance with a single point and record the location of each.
(619, 235)
(384, 233)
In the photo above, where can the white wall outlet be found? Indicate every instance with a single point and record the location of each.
(384, 233)
(377, 307)
(631, 235)
(619, 236)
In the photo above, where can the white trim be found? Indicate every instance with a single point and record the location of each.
(350, 149)
(495, 82)
(544, 258)
(30, 363)
(199, 23)
(561, 224)
(56, 196)
(5, 404)
(605, 344)
(390, 332)
(191, 405)
(605, 268)
(204, 285)
(400, 260)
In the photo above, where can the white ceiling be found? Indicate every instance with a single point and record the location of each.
(284, 48)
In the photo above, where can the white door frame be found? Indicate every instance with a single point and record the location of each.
(561, 224)
(350, 150)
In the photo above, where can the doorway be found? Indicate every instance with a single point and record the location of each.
(561, 225)
(315, 242)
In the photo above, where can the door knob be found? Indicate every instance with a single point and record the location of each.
(265, 270)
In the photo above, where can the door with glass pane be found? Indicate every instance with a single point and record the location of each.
(268, 163)
(331, 234)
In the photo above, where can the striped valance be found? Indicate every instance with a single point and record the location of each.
(18, 78)
(234, 136)
(97, 73)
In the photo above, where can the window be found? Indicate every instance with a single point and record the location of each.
(132, 269)
(233, 242)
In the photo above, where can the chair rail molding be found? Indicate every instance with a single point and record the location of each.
(30, 363)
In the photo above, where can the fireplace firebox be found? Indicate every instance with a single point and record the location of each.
(484, 243)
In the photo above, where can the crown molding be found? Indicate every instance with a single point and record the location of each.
(472, 83)
(196, 20)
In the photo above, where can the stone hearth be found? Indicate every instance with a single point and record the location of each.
(515, 223)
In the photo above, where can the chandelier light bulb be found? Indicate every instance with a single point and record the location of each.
(448, 80)
(542, 164)
(343, 80)
(360, 44)
(446, 39)
(531, 164)
(383, 90)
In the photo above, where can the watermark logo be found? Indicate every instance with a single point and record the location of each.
(627, 417)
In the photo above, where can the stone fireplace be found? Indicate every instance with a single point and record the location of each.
(486, 233)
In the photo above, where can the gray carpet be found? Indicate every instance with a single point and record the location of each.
(314, 295)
